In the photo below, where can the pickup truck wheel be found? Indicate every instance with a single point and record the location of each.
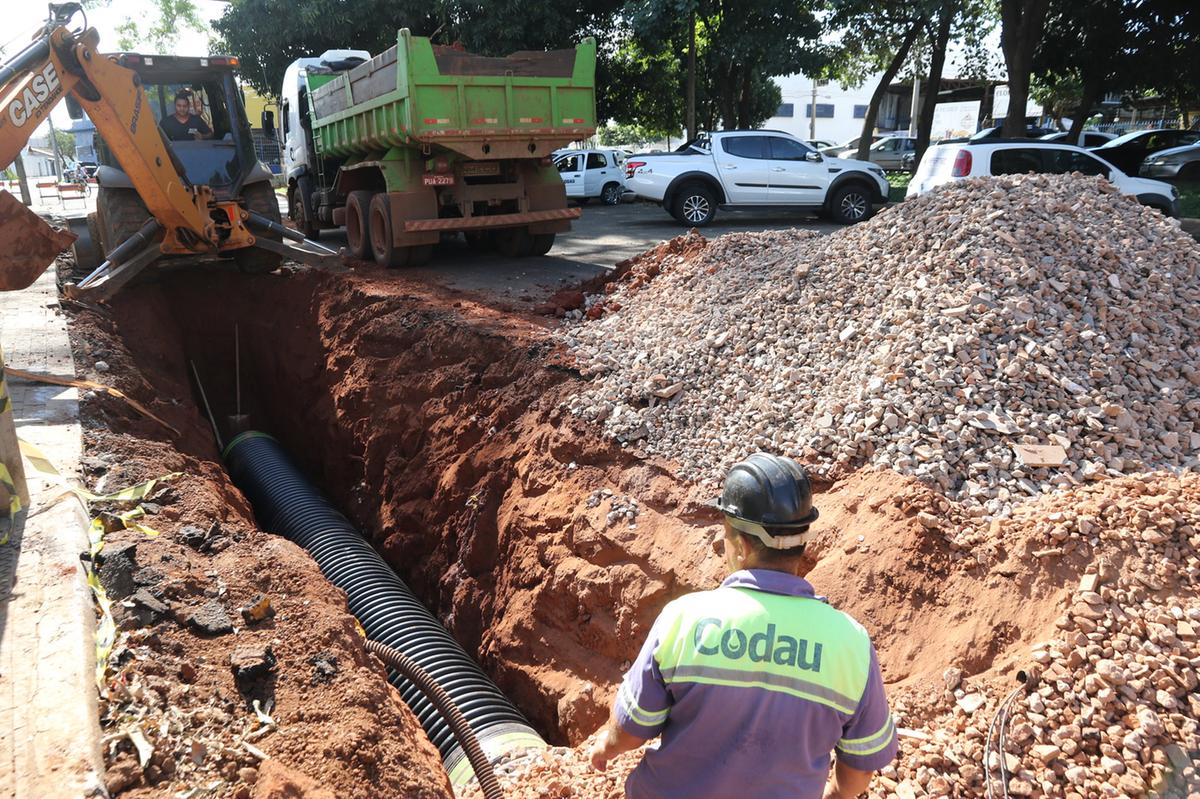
(694, 205)
(611, 195)
(260, 198)
(358, 223)
(851, 203)
(383, 244)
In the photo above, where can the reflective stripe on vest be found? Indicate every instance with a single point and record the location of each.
(754, 639)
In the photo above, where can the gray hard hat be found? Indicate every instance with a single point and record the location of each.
(770, 498)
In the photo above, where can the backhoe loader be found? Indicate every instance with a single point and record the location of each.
(206, 195)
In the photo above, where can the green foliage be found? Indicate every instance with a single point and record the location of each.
(617, 135)
(158, 31)
(1129, 47)
(739, 47)
(66, 143)
(268, 35)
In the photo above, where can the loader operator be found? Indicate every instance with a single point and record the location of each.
(753, 685)
(183, 125)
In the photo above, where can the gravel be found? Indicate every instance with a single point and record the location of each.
(933, 339)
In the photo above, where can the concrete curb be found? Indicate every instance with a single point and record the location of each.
(49, 718)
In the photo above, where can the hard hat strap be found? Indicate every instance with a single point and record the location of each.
(770, 541)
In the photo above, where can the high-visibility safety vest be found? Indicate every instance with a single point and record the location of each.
(752, 686)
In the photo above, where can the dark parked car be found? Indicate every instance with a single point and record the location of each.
(1127, 152)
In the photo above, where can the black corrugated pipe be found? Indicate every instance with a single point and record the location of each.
(286, 503)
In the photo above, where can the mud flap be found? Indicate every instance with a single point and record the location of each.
(29, 244)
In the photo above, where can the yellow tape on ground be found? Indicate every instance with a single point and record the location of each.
(106, 628)
(44, 465)
(14, 502)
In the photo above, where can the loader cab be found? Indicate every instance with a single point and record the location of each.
(224, 159)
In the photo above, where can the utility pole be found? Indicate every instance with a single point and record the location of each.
(23, 181)
(690, 120)
(915, 112)
(812, 113)
(54, 147)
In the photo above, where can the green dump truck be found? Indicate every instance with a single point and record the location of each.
(423, 140)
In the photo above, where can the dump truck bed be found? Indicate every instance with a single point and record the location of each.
(417, 94)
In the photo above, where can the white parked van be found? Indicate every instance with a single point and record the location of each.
(589, 174)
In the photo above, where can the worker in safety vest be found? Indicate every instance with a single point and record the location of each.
(753, 685)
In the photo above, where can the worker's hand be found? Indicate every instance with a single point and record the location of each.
(599, 754)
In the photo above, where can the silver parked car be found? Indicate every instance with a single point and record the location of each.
(1177, 163)
(889, 151)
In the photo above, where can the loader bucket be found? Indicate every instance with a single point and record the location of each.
(27, 244)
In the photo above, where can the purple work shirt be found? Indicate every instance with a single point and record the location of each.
(766, 734)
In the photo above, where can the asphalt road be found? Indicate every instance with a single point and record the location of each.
(602, 237)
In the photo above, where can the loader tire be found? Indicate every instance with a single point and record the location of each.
(260, 198)
(88, 251)
(120, 213)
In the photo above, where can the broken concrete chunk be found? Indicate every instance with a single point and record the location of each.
(210, 619)
(117, 563)
(250, 663)
(1040, 454)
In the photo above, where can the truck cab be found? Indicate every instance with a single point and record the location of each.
(296, 148)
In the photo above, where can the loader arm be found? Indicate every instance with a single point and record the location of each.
(62, 62)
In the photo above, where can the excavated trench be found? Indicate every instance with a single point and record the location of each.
(432, 421)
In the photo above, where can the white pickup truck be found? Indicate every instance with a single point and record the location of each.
(755, 168)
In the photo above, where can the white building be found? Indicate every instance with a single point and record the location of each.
(839, 112)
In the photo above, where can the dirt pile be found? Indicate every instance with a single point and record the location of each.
(1026, 310)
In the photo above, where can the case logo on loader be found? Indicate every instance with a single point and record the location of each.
(40, 90)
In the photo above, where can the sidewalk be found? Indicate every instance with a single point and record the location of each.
(49, 732)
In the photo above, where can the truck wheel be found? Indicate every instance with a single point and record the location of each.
(611, 195)
(512, 242)
(121, 213)
(260, 198)
(694, 205)
(478, 240)
(540, 244)
(851, 203)
(358, 224)
(383, 245)
(300, 209)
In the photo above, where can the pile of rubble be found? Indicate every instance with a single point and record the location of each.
(1110, 706)
(998, 338)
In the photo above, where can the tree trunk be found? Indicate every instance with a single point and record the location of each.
(745, 99)
(864, 142)
(728, 99)
(690, 119)
(1092, 91)
(1021, 23)
(937, 62)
